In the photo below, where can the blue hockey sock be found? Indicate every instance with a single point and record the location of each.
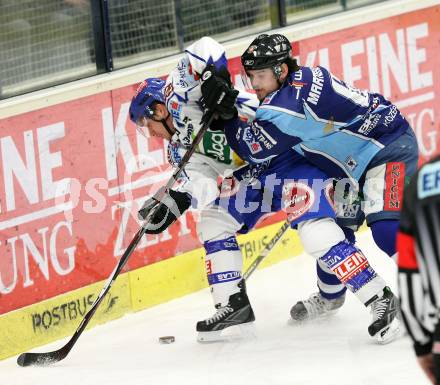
(384, 235)
(353, 270)
(349, 234)
(330, 287)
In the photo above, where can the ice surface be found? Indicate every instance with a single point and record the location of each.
(334, 351)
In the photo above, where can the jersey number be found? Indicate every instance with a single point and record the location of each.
(355, 95)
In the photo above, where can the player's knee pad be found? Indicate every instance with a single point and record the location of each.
(319, 235)
(384, 234)
(216, 223)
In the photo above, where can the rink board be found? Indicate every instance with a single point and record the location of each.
(58, 317)
(186, 273)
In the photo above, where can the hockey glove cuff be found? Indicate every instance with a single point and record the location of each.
(173, 205)
(219, 123)
(422, 349)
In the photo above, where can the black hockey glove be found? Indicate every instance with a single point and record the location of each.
(218, 92)
(173, 205)
(219, 123)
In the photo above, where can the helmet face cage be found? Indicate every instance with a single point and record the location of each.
(247, 83)
(246, 80)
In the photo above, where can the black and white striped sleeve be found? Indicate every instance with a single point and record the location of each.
(416, 303)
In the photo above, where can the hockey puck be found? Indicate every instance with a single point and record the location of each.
(166, 339)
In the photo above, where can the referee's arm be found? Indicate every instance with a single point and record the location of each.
(410, 280)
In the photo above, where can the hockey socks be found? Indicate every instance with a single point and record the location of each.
(330, 287)
(224, 264)
(353, 270)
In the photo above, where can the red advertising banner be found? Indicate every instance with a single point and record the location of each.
(72, 175)
(396, 57)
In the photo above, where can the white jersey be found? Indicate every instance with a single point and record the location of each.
(213, 155)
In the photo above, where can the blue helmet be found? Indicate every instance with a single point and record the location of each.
(148, 92)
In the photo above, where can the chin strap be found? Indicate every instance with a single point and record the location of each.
(167, 127)
(164, 123)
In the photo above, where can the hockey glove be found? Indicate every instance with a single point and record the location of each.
(219, 123)
(172, 206)
(148, 205)
(218, 93)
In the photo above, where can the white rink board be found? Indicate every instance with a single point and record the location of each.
(333, 352)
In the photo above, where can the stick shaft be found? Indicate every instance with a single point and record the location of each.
(27, 359)
(267, 249)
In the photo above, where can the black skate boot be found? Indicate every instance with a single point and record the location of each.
(386, 325)
(238, 312)
(315, 306)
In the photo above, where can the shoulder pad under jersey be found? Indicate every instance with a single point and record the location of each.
(247, 104)
(204, 52)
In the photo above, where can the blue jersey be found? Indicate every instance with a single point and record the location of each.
(288, 183)
(337, 127)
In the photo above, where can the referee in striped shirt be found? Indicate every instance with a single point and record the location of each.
(418, 245)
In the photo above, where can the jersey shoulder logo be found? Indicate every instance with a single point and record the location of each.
(249, 139)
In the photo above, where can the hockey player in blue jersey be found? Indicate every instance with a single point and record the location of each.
(351, 134)
(292, 126)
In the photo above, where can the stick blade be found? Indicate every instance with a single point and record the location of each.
(40, 359)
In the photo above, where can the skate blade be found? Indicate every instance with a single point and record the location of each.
(324, 316)
(236, 332)
(389, 333)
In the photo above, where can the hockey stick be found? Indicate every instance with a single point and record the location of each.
(267, 249)
(39, 359)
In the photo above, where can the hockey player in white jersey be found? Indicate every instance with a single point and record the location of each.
(172, 110)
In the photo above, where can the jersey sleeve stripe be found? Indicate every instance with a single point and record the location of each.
(407, 255)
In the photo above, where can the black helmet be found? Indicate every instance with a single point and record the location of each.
(266, 51)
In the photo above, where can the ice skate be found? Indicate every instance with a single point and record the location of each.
(316, 306)
(237, 314)
(386, 325)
